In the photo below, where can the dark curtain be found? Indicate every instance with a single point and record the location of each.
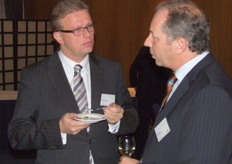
(14, 9)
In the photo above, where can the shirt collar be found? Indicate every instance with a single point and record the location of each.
(69, 64)
(187, 67)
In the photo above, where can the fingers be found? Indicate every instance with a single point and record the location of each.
(70, 126)
(113, 113)
(127, 160)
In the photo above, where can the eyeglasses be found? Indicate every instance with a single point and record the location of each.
(80, 31)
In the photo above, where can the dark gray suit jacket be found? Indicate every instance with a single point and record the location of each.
(45, 95)
(199, 115)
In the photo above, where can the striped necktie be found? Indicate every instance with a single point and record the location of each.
(80, 95)
(79, 89)
(170, 85)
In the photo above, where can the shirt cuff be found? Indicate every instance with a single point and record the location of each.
(113, 128)
(64, 138)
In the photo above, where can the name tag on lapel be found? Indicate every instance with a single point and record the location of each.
(162, 129)
(107, 99)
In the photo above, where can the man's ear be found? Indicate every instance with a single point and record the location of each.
(58, 37)
(180, 45)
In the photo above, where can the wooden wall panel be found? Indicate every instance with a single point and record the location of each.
(118, 30)
(38, 9)
(221, 34)
(122, 26)
(220, 17)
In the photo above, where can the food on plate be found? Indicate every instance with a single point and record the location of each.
(88, 118)
(85, 117)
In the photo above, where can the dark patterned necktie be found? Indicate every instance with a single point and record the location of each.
(79, 89)
(170, 85)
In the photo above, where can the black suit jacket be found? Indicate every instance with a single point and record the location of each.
(199, 115)
(45, 95)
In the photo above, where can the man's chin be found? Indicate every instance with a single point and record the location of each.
(89, 50)
(158, 63)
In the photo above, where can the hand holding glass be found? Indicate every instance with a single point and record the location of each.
(126, 145)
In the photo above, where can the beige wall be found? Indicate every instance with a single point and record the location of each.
(122, 26)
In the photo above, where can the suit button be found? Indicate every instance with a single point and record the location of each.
(90, 141)
(53, 147)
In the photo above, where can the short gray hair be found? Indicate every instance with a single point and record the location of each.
(187, 20)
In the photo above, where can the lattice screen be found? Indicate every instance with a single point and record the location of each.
(22, 43)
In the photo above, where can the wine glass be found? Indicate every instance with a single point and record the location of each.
(126, 145)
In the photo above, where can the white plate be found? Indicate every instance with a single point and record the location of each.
(90, 117)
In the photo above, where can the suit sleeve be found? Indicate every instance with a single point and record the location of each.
(25, 131)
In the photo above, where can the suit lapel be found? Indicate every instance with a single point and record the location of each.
(62, 87)
(97, 75)
(180, 92)
(170, 105)
(184, 87)
(59, 80)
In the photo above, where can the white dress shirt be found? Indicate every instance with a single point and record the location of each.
(68, 66)
(185, 69)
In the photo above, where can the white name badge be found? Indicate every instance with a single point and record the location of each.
(107, 99)
(162, 129)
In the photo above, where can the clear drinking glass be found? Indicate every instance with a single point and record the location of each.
(126, 145)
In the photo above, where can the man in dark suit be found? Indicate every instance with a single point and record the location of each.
(194, 126)
(150, 82)
(46, 108)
